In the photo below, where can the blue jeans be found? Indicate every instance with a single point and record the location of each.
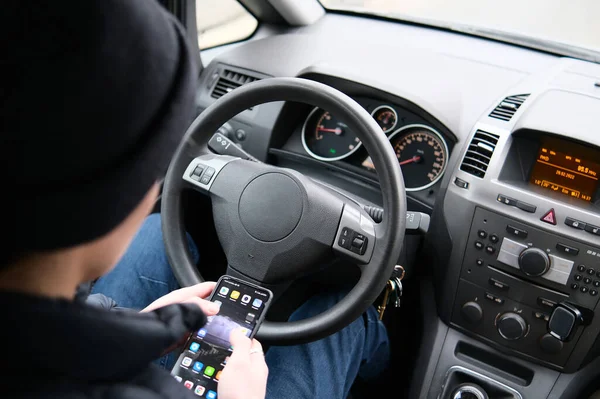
(322, 369)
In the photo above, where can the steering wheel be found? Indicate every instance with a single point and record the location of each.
(276, 225)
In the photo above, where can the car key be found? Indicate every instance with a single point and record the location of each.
(390, 287)
(397, 276)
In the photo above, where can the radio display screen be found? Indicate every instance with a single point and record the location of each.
(566, 168)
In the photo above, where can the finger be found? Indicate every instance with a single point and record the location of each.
(241, 345)
(201, 290)
(209, 308)
(257, 357)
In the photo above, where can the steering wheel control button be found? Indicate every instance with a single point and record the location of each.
(482, 234)
(479, 245)
(472, 312)
(197, 172)
(506, 200)
(353, 241)
(498, 284)
(595, 230)
(549, 217)
(576, 224)
(524, 206)
(271, 217)
(461, 183)
(515, 231)
(567, 249)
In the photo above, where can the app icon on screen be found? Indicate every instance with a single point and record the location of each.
(198, 367)
(211, 395)
(188, 384)
(235, 294)
(177, 378)
(224, 291)
(257, 303)
(218, 376)
(199, 390)
(186, 361)
(246, 299)
(202, 332)
(194, 347)
(250, 317)
(209, 371)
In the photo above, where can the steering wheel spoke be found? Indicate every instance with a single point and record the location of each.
(204, 170)
(356, 235)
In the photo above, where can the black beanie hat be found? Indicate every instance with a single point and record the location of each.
(95, 95)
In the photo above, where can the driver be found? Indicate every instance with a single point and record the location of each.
(95, 97)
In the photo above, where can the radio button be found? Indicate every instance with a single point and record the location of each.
(534, 262)
(479, 245)
(516, 231)
(498, 284)
(576, 224)
(581, 268)
(578, 277)
(593, 292)
(494, 238)
(560, 270)
(524, 206)
(482, 233)
(584, 289)
(567, 249)
(596, 283)
(490, 250)
(546, 302)
(595, 230)
(591, 271)
(587, 280)
(574, 286)
(506, 200)
(479, 262)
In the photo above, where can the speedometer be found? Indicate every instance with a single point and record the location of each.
(422, 154)
(327, 138)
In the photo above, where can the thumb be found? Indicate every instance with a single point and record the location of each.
(240, 342)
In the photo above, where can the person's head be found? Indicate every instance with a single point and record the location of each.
(95, 96)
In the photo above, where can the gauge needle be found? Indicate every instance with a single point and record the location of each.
(337, 130)
(413, 159)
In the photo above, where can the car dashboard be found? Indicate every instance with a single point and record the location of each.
(498, 144)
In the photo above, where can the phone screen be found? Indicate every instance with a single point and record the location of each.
(242, 305)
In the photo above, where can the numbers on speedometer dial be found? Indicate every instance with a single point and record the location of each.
(422, 154)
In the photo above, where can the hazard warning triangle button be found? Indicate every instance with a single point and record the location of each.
(549, 217)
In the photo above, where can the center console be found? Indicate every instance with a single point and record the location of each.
(515, 250)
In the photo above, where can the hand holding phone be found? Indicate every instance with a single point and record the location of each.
(245, 376)
(243, 307)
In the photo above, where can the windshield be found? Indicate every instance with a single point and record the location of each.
(560, 25)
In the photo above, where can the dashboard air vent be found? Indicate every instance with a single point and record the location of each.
(507, 108)
(230, 80)
(479, 153)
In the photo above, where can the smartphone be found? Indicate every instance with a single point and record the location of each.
(205, 354)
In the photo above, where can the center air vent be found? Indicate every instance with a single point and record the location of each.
(230, 80)
(479, 153)
(507, 108)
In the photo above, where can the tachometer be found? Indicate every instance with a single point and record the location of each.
(326, 138)
(422, 153)
(386, 117)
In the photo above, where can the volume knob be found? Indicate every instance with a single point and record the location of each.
(534, 262)
(511, 326)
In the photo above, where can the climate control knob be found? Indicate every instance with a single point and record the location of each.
(534, 262)
(511, 326)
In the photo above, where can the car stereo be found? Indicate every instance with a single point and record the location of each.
(566, 168)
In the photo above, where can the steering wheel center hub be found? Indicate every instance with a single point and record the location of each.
(271, 206)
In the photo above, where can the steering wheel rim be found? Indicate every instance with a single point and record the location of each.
(390, 232)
